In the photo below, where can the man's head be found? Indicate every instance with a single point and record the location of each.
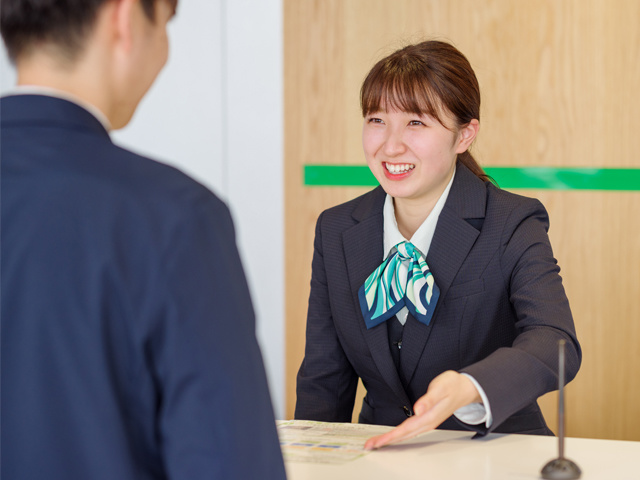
(64, 24)
(107, 52)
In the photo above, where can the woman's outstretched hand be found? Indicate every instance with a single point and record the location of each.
(446, 393)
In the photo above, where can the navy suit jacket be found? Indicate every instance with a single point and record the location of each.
(501, 311)
(128, 337)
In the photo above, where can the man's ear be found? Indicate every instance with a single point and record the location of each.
(467, 135)
(123, 19)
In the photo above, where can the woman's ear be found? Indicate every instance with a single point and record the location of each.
(467, 135)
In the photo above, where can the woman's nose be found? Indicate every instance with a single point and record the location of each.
(394, 144)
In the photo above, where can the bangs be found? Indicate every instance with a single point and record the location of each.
(397, 84)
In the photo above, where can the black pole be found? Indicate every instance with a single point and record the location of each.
(561, 468)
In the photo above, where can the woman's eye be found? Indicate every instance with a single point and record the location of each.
(416, 122)
(375, 120)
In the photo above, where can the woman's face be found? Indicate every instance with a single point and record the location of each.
(412, 156)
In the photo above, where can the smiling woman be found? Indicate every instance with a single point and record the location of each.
(458, 326)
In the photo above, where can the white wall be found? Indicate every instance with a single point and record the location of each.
(7, 73)
(216, 112)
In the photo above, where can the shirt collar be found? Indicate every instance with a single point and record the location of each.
(421, 239)
(54, 92)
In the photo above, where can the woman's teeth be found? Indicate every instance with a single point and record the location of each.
(398, 169)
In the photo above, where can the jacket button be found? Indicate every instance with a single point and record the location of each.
(407, 411)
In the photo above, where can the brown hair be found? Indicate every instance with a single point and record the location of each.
(430, 78)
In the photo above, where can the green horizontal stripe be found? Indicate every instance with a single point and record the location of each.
(548, 178)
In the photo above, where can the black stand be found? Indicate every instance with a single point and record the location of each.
(561, 468)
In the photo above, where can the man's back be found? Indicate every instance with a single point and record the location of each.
(127, 345)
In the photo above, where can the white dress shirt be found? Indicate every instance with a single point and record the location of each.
(474, 413)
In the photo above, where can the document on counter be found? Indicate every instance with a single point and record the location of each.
(322, 442)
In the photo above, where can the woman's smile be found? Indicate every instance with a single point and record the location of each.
(397, 171)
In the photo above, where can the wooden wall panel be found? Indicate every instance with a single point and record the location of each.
(559, 82)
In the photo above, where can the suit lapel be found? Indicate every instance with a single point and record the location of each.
(362, 245)
(414, 339)
(454, 236)
(452, 240)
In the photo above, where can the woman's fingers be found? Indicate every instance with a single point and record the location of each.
(446, 393)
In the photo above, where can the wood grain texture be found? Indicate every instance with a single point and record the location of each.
(559, 82)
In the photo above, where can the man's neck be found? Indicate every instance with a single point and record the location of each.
(86, 79)
(76, 79)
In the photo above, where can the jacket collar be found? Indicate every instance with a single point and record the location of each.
(455, 235)
(47, 111)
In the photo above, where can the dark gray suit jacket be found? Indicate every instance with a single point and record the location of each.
(501, 312)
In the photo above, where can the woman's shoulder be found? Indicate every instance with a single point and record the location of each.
(510, 208)
(510, 200)
(473, 197)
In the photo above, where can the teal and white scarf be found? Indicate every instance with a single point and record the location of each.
(403, 279)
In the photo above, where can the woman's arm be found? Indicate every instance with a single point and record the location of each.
(326, 382)
(512, 376)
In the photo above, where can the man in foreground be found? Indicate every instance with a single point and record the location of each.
(128, 346)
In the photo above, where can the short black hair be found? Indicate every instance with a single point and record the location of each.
(64, 23)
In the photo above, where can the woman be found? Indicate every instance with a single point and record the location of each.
(439, 290)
